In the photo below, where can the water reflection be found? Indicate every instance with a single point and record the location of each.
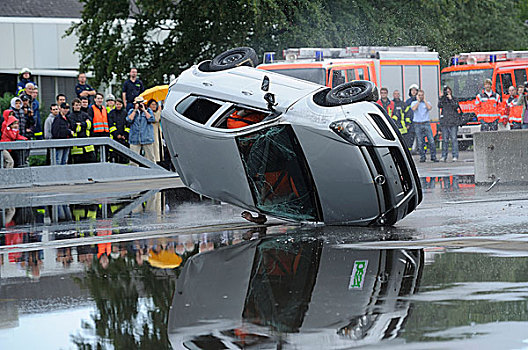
(292, 290)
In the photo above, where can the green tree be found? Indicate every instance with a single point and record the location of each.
(164, 37)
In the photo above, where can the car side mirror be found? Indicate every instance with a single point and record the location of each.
(270, 99)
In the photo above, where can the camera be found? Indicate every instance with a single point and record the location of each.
(526, 87)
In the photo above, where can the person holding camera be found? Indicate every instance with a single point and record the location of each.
(523, 101)
(141, 136)
(449, 121)
(422, 126)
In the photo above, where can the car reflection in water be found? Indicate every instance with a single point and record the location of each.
(299, 292)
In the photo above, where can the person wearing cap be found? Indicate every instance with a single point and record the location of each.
(27, 122)
(110, 102)
(132, 88)
(99, 117)
(489, 109)
(141, 138)
(82, 89)
(60, 129)
(24, 78)
(119, 129)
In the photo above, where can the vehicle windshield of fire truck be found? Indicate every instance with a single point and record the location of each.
(315, 75)
(466, 84)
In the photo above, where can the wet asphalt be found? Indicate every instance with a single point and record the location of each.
(152, 265)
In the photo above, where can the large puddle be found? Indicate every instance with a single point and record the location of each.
(168, 269)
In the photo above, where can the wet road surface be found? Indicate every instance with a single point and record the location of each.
(162, 268)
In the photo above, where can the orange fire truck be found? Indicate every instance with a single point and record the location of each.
(395, 68)
(466, 77)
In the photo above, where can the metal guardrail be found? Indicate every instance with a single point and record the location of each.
(52, 145)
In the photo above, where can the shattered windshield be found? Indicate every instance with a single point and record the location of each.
(466, 84)
(278, 174)
(315, 75)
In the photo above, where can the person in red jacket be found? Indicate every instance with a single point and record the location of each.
(10, 132)
(489, 108)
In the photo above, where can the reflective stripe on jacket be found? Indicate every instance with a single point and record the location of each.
(514, 111)
(100, 120)
(488, 108)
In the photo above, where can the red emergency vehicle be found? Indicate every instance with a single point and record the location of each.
(396, 68)
(466, 77)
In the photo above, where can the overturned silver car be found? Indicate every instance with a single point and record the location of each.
(286, 147)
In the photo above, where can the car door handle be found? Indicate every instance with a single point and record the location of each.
(207, 83)
(247, 92)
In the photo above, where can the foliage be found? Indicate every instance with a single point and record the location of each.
(5, 101)
(163, 37)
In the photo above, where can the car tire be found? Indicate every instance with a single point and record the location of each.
(240, 56)
(354, 91)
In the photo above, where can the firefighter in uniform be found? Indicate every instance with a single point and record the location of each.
(81, 125)
(119, 128)
(402, 117)
(489, 108)
(99, 117)
(513, 112)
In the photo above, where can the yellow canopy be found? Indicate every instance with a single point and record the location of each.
(159, 93)
(165, 259)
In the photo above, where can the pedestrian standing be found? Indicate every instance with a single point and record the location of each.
(132, 88)
(513, 112)
(422, 126)
(140, 119)
(85, 104)
(158, 143)
(413, 91)
(449, 121)
(9, 130)
(35, 106)
(99, 117)
(54, 111)
(82, 89)
(24, 78)
(385, 102)
(401, 117)
(119, 129)
(488, 108)
(60, 129)
(110, 102)
(81, 126)
(523, 101)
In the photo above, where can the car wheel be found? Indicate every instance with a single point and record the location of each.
(354, 91)
(240, 56)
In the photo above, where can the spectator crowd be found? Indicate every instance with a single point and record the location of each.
(129, 119)
(414, 123)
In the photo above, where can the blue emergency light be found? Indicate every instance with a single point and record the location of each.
(269, 57)
(493, 58)
(454, 61)
(319, 55)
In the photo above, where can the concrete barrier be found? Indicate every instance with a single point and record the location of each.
(501, 155)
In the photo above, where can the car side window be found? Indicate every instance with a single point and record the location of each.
(361, 74)
(239, 117)
(506, 82)
(197, 108)
(351, 74)
(520, 76)
(338, 77)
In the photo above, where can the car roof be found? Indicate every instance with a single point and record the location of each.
(243, 85)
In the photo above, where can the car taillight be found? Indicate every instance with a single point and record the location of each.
(351, 132)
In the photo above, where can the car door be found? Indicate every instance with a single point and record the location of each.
(207, 160)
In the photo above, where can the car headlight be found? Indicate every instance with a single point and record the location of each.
(351, 131)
